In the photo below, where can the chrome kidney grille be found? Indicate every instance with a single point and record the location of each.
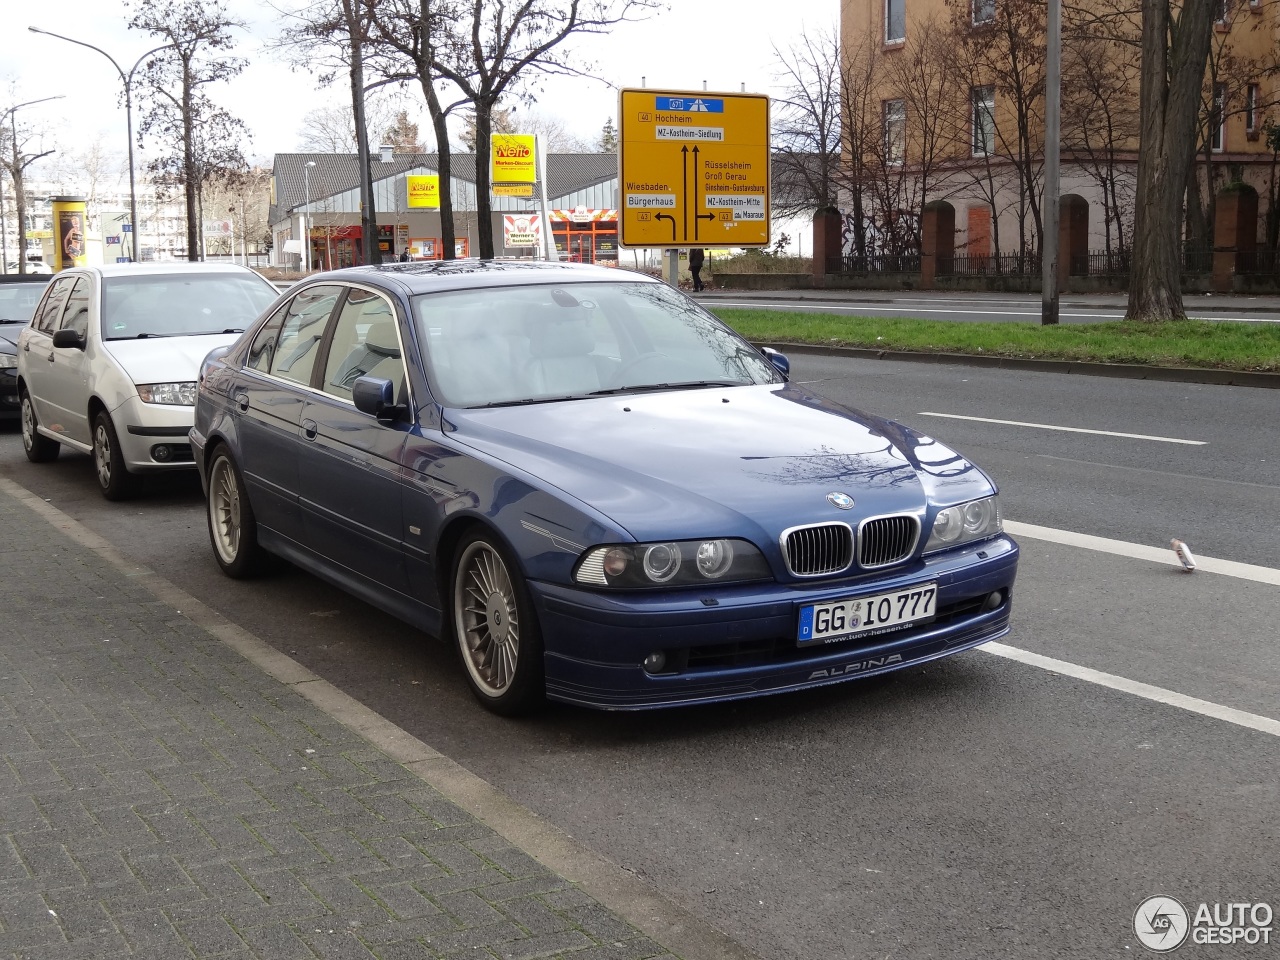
(886, 540)
(819, 550)
(828, 548)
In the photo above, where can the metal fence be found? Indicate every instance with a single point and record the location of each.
(883, 263)
(1005, 265)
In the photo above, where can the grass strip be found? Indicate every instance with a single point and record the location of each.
(1223, 345)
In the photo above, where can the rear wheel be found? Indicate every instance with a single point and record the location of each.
(38, 447)
(114, 479)
(233, 529)
(495, 627)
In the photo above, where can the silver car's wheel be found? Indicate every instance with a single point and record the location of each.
(233, 531)
(38, 447)
(115, 481)
(495, 628)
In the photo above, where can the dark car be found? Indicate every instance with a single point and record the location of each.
(593, 487)
(19, 294)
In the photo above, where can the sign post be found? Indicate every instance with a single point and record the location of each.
(693, 169)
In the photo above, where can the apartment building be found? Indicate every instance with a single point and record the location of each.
(944, 100)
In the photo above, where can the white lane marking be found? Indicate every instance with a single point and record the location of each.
(1138, 689)
(1050, 426)
(1160, 473)
(1139, 551)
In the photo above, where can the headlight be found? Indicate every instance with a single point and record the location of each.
(8, 361)
(975, 520)
(676, 564)
(178, 394)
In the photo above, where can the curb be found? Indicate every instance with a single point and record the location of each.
(1123, 371)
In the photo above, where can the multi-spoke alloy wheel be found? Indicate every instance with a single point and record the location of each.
(495, 629)
(233, 531)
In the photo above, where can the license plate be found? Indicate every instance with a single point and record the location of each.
(864, 616)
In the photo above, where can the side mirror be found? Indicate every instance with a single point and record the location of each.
(376, 397)
(779, 360)
(68, 338)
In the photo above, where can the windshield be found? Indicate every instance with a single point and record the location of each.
(181, 304)
(508, 345)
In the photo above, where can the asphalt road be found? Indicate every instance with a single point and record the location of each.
(977, 807)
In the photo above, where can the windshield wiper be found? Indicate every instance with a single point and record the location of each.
(526, 401)
(676, 385)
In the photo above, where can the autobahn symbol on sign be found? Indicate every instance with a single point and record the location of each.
(693, 169)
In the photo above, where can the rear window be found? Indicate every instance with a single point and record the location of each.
(181, 305)
(18, 300)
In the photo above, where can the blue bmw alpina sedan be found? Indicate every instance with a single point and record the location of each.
(591, 486)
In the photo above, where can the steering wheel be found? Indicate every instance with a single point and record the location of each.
(629, 367)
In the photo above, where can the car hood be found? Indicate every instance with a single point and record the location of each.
(165, 359)
(724, 461)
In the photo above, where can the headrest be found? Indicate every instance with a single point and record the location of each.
(558, 332)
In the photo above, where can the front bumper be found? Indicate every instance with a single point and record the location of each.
(740, 642)
(153, 436)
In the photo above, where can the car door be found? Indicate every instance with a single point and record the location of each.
(66, 379)
(349, 465)
(36, 354)
(268, 399)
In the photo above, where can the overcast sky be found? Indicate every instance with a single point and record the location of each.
(725, 43)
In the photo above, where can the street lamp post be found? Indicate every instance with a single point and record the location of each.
(306, 218)
(127, 80)
(15, 174)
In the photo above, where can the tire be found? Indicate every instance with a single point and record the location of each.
(38, 447)
(495, 628)
(233, 529)
(114, 479)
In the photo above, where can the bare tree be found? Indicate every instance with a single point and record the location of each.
(806, 125)
(500, 45)
(20, 147)
(1175, 48)
(332, 129)
(402, 135)
(203, 137)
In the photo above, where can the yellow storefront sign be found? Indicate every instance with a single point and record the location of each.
(513, 159)
(693, 169)
(513, 189)
(423, 192)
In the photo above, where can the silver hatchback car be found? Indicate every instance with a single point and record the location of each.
(108, 364)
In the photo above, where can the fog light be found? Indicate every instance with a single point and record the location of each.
(654, 662)
(994, 600)
(160, 453)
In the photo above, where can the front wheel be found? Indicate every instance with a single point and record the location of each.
(233, 530)
(114, 479)
(495, 628)
(38, 447)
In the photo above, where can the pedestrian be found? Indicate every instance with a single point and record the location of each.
(404, 257)
(695, 267)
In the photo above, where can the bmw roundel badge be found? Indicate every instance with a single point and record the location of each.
(841, 500)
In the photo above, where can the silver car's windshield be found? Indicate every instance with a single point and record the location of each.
(530, 344)
(181, 304)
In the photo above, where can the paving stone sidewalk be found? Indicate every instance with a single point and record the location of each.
(160, 796)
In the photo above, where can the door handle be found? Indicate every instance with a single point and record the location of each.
(309, 429)
(242, 401)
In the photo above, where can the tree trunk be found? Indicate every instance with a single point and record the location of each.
(1173, 63)
(189, 174)
(368, 215)
(484, 150)
(444, 165)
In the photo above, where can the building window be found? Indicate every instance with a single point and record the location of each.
(895, 131)
(984, 11)
(1217, 118)
(984, 122)
(1222, 8)
(1252, 95)
(895, 21)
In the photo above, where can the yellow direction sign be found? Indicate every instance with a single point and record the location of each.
(693, 169)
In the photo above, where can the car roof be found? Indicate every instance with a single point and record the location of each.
(153, 267)
(432, 276)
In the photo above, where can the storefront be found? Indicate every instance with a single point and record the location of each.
(585, 235)
(335, 247)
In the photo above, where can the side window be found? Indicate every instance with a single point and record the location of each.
(76, 316)
(46, 320)
(300, 333)
(365, 344)
(263, 349)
